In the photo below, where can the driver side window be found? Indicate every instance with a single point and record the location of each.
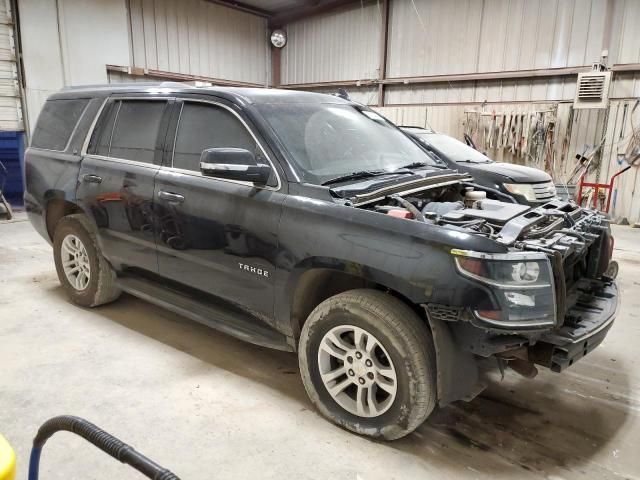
(203, 126)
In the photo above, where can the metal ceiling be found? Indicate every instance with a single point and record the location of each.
(278, 6)
(271, 7)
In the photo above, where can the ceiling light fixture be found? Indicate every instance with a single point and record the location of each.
(278, 38)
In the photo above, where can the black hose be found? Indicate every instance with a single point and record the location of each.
(101, 439)
(409, 206)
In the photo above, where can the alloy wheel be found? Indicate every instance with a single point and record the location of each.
(75, 262)
(357, 371)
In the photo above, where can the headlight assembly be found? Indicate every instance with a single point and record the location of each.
(524, 189)
(522, 283)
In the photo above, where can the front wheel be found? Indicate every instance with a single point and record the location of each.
(367, 363)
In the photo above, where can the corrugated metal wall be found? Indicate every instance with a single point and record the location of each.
(507, 35)
(521, 90)
(10, 108)
(443, 37)
(451, 119)
(197, 37)
(365, 94)
(344, 45)
(626, 195)
(470, 36)
(70, 42)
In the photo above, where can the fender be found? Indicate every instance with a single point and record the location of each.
(415, 292)
(49, 177)
(290, 283)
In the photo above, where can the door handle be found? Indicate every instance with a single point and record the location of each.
(89, 178)
(170, 197)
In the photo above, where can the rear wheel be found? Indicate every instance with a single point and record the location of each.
(83, 272)
(367, 363)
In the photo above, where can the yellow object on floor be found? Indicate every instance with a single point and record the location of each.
(7, 460)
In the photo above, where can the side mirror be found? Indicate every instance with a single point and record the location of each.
(234, 164)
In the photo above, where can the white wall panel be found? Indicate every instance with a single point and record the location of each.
(90, 45)
(626, 196)
(344, 45)
(439, 37)
(70, 45)
(628, 50)
(367, 95)
(517, 90)
(197, 37)
(624, 85)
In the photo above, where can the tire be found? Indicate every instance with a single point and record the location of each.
(99, 285)
(402, 344)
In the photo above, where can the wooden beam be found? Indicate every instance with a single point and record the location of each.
(626, 67)
(180, 77)
(340, 83)
(463, 77)
(294, 14)
(384, 43)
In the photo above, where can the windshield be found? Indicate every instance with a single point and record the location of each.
(330, 140)
(454, 149)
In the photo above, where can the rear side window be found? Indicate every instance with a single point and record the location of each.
(129, 129)
(56, 122)
(136, 131)
(206, 126)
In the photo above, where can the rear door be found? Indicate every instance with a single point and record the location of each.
(116, 181)
(217, 236)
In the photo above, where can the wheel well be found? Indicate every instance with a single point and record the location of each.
(318, 284)
(56, 209)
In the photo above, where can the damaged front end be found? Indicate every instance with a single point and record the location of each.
(572, 302)
(549, 299)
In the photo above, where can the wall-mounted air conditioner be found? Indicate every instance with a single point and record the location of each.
(592, 90)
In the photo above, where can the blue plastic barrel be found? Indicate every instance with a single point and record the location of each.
(11, 156)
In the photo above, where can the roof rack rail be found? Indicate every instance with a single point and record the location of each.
(172, 83)
(164, 84)
(428, 128)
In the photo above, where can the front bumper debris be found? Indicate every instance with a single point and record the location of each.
(593, 305)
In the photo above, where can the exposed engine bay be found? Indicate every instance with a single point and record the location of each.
(576, 240)
(471, 209)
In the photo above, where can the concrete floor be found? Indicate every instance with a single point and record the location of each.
(208, 406)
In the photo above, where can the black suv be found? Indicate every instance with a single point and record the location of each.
(507, 181)
(309, 223)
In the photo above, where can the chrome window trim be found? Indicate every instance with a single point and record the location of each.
(124, 161)
(85, 144)
(198, 173)
(113, 129)
(95, 122)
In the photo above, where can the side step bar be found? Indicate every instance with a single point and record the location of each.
(212, 315)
